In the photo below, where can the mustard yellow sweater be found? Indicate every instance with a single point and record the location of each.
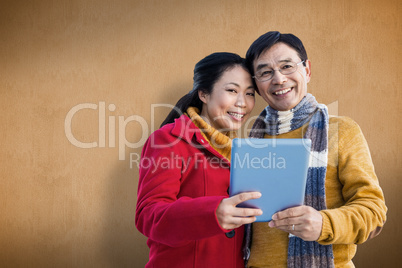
(355, 201)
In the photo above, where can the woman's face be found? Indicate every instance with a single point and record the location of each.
(231, 101)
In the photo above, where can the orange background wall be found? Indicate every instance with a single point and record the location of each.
(66, 206)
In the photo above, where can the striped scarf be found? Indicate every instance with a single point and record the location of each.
(302, 253)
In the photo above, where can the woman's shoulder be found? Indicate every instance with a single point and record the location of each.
(178, 129)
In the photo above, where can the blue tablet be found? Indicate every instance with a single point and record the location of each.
(277, 168)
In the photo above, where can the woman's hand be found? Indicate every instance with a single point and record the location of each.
(230, 217)
(302, 221)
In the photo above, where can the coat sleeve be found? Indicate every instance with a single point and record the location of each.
(364, 210)
(160, 214)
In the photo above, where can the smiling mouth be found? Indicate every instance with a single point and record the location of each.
(282, 92)
(236, 115)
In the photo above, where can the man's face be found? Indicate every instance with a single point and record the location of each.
(282, 92)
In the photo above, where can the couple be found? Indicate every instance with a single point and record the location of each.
(184, 208)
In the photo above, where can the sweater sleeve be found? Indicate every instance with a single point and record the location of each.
(364, 209)
(160, 214)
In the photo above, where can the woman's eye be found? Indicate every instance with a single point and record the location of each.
(231, 90)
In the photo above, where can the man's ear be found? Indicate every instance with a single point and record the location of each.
(308, 70)
(203, 96)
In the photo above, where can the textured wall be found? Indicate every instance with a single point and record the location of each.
(77, 81)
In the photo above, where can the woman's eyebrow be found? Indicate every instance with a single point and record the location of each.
(232, 83)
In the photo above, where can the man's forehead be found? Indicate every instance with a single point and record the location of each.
(270, 61)
(278, 53)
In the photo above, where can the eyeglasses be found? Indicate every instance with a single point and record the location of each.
(266, 73)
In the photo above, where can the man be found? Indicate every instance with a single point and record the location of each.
(344, 204)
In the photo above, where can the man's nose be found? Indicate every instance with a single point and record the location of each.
(279, 78)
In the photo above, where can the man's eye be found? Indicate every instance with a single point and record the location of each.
(266, 73)
(287, 66)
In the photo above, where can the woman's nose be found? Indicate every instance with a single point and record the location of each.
(240, 102)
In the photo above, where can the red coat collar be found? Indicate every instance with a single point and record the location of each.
(185, 129)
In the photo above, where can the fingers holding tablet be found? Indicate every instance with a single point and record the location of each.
(229, 216)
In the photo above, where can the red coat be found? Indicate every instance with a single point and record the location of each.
(182, 181)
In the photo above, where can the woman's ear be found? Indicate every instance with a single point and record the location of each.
(203, 96)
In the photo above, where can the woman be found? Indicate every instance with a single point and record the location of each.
(183, 205)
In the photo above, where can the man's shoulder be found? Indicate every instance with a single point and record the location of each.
(343, 126)
(342, 120)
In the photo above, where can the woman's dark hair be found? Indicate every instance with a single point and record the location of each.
(206, 73)
(267, 40)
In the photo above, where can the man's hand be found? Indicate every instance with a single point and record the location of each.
(302, 221)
